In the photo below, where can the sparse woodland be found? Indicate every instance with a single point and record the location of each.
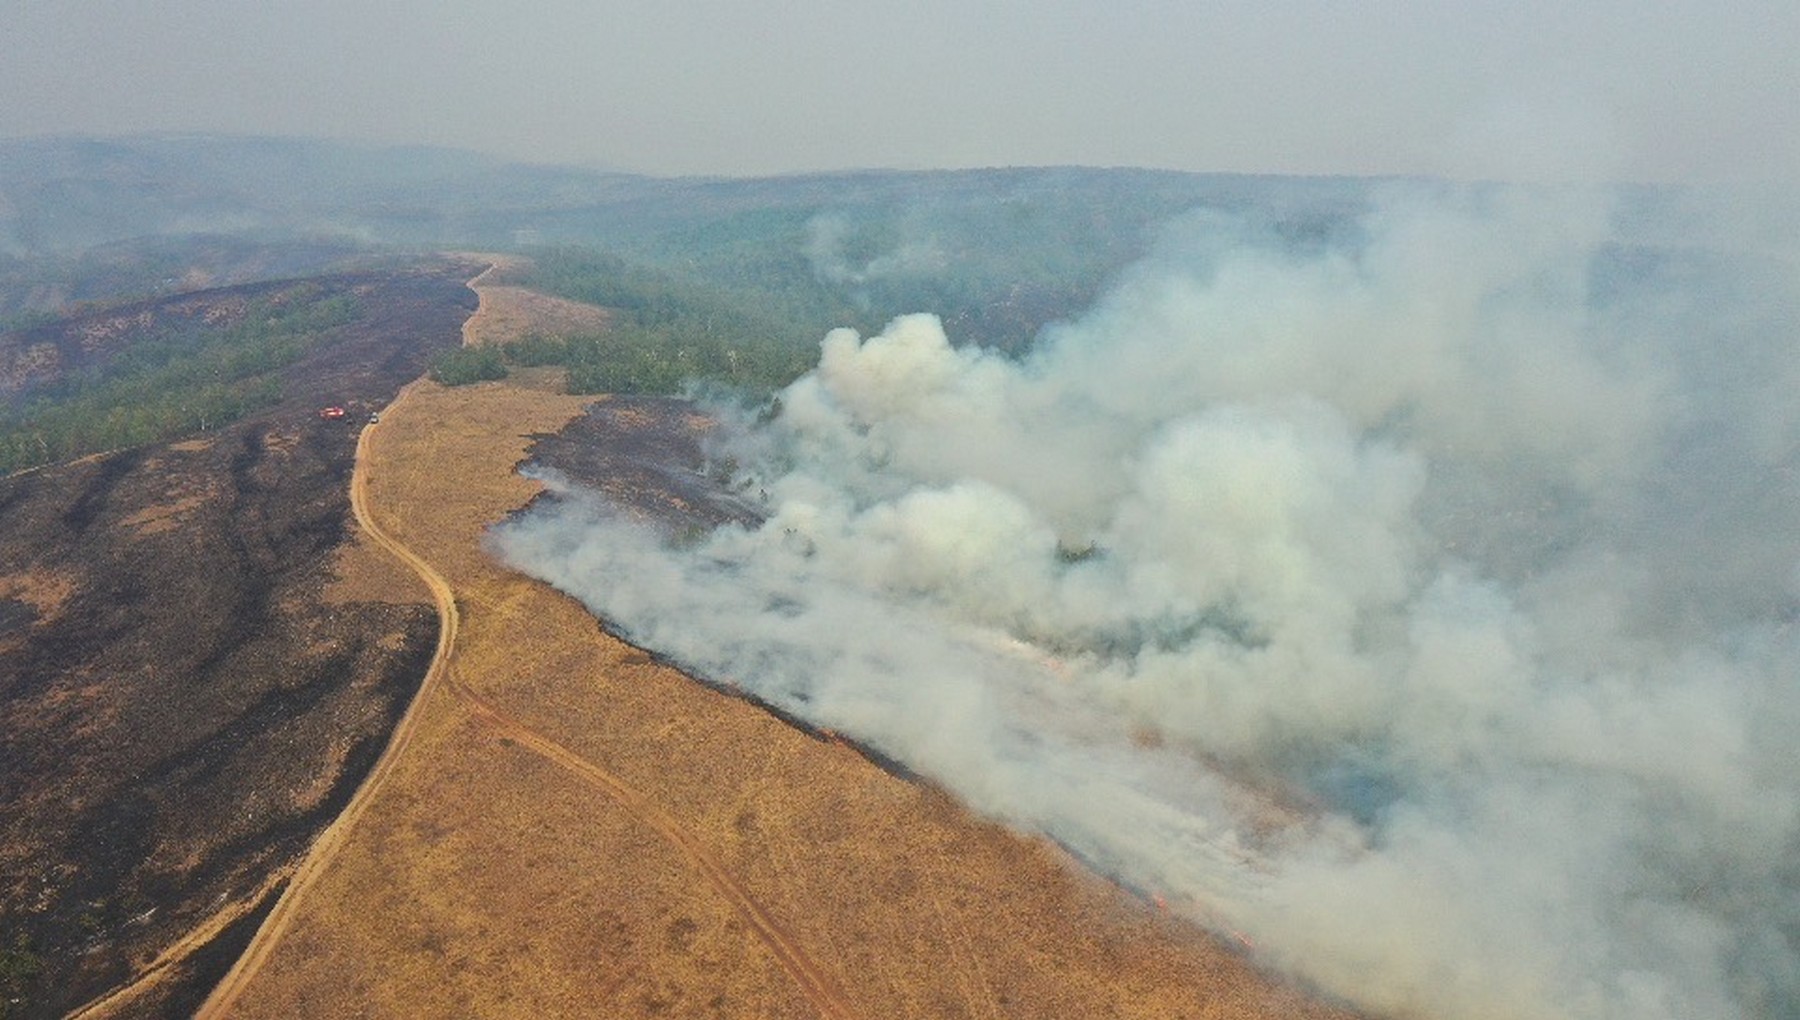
(182, 380)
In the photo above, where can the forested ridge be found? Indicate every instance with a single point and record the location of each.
(666, 332)
(181, 379)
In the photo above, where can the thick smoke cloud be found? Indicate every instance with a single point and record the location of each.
(1415, 597)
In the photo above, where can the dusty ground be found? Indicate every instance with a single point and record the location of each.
(578, 830)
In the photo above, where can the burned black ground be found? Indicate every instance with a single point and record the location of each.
(649, 457)
(181, 706)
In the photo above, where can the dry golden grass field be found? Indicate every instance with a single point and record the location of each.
(573, 829)
(508, 312)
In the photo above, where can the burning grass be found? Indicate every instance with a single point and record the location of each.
(488, 879)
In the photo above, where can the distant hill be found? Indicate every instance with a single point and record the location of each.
(66, 194)
(60, 195)
(997, 253)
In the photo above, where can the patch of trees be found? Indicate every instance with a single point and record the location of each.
(753, 321)
(182, 380)
(997, 266)
(635, 358)
(742, 293)
(464, 365)
(666, 332)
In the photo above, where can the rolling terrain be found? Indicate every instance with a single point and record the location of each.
(199, 660)
(568, 824)
(576, 828)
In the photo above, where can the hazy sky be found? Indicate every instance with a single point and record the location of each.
(1678, 89)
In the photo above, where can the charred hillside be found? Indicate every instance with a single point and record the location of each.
(187, 691)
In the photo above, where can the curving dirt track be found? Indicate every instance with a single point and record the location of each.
(194, 941)
(219, 1003)
(200, 661)
(814, 982)
(487, 883)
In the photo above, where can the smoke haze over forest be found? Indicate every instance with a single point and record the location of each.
(1400, 574)
(1413, 593)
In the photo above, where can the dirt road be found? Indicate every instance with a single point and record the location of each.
(813, 981)
(195, 940)
(219, 1003)
(577, 829)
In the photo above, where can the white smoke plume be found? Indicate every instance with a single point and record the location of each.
(1417, 599)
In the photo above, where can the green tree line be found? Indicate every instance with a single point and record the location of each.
(186, 379)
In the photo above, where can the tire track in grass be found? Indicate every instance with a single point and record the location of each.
(814, 982)
(818, 986)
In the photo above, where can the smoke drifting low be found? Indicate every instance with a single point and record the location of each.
(1416, 597)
